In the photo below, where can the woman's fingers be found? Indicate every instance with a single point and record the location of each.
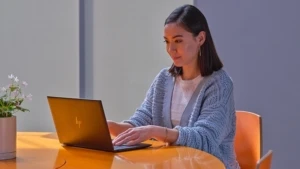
(132, 136)
(121, 141)
(125, 137)
(121, 136)
(125, 140)
(134, 142)
(125, 132)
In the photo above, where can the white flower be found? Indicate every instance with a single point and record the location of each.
(24, 83)
(11, 76)
(3, 89)
(29, 97)
(16, 79)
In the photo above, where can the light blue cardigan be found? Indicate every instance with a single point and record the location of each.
(207, 123)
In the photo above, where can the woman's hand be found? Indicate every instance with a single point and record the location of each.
(117, 128)
(134, 136)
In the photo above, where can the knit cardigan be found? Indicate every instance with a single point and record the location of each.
(208, 121)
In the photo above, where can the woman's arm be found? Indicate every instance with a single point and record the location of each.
(212, 126)
(215, 123)
(164, 134)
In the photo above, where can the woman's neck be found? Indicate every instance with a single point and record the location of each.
(190, 72)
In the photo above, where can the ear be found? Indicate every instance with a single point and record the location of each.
(201, 38)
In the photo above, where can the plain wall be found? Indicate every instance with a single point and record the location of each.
(125, 52)
(39, 43)
(259, 44)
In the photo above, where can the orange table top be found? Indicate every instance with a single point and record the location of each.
(43, 150)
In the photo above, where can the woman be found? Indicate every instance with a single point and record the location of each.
(191, 103)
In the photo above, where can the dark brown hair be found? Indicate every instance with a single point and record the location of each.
(193, 21)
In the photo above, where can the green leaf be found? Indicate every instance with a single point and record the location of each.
(13, 88)
(20, 101)
(22, 109)
(11, 108)
(5, 114)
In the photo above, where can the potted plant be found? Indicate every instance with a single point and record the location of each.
(11, 99)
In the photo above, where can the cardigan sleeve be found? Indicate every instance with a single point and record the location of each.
(215, 121)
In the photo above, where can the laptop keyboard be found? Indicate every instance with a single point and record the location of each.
(126, 147)
(122, 147)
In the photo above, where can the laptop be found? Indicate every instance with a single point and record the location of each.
(82, 123)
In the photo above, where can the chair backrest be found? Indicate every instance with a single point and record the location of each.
(248, 139)
(266, 161)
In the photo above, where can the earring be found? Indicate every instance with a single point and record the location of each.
(199, 51)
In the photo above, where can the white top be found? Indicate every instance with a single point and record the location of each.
(182, 93)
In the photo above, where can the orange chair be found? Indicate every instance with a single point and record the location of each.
(266, 161)
(248, 139)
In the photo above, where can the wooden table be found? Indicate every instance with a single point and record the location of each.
(43, 151)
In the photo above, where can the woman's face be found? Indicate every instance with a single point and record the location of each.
(181, 45)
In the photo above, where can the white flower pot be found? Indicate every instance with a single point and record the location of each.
(8, 134)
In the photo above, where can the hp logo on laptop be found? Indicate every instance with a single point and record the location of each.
(78, 122)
